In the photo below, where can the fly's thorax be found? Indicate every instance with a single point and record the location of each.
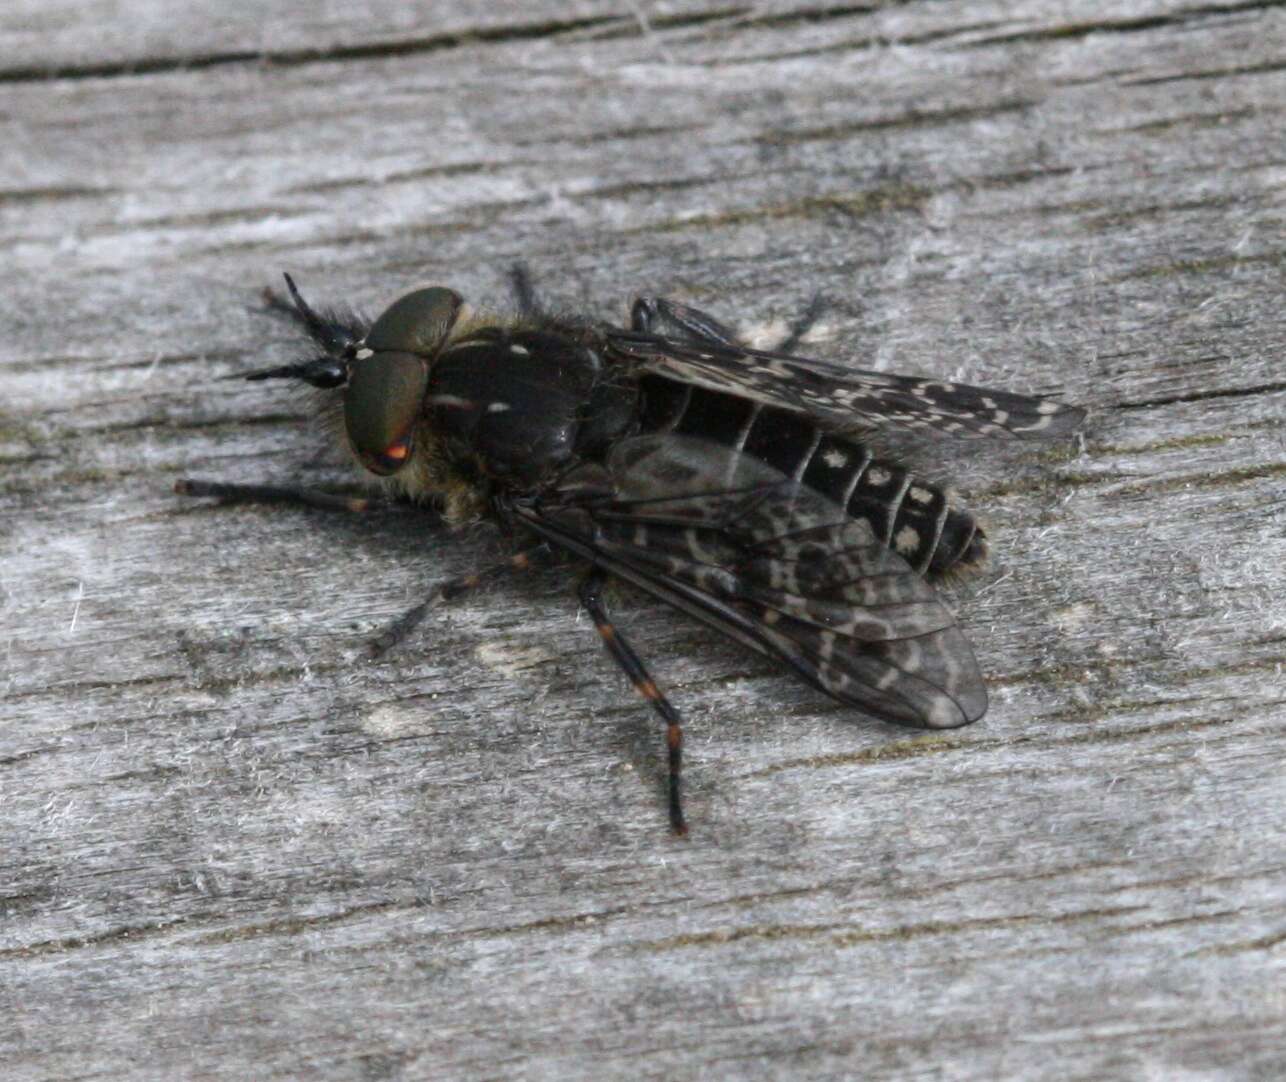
(514, 406)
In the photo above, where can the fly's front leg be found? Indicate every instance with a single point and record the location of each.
(591, 596)
(291, 496)
(538, 554)
(287, 495)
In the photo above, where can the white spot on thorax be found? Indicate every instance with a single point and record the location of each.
(453, 400)
(835, 458)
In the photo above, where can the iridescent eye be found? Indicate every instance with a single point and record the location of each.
(381, 405)
(386, 389)
(417, 323)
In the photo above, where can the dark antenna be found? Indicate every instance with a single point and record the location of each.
(338, 340)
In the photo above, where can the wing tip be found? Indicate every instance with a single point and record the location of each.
(957, 711)
(1053, 418)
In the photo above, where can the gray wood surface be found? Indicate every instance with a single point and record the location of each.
(231, 848)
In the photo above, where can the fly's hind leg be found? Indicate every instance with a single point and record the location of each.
(524, 290)
(801, 325)
(591, 596)
(671, 319)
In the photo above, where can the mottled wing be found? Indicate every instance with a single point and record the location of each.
(846, 398)
(775, 566)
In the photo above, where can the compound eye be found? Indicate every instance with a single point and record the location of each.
(417, 323)
(381, 405)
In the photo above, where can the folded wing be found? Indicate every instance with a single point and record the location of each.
(773, 565)
(847, 398)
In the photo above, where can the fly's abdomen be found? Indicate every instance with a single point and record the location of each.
(911, 516)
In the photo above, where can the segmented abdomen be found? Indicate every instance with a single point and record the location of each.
(911, 516)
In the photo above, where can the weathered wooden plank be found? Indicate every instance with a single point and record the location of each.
(235, 848)
(84, 38)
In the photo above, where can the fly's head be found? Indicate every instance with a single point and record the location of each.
(381, 373)
(388, 377)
